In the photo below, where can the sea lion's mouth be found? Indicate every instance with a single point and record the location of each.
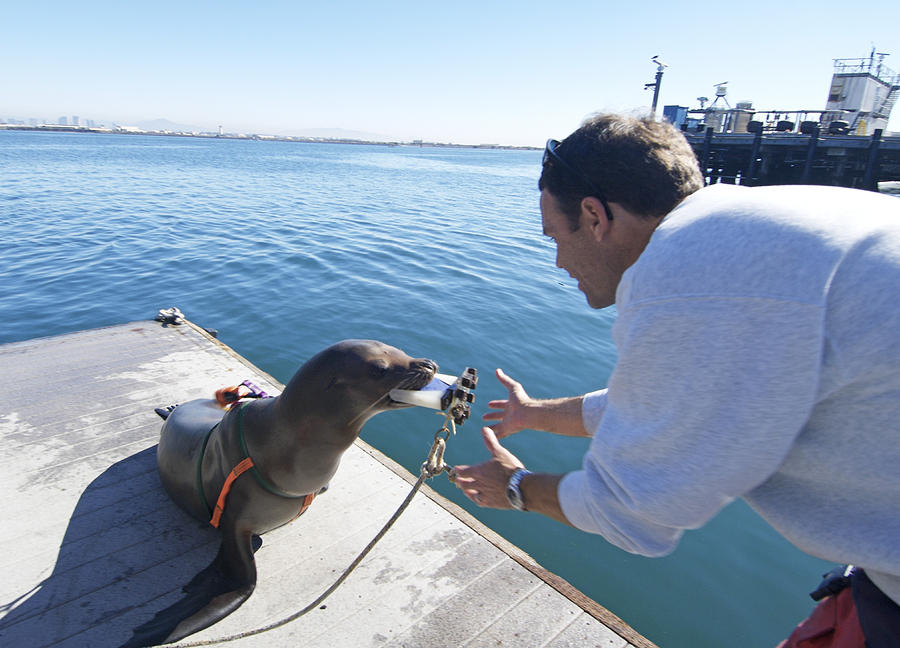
(420, 373)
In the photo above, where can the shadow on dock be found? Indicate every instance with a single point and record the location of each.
(126, 553)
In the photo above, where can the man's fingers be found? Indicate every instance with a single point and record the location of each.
(514, 387)
(504, 379)
(490, 440)
(460, 473)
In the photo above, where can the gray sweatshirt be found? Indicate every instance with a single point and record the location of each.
(758, 340)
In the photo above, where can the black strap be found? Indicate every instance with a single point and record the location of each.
(833, 582)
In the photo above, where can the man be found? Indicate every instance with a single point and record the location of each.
(758, 340)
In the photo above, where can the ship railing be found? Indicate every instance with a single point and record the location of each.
(867, 66)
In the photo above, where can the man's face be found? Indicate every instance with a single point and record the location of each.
(582, 253)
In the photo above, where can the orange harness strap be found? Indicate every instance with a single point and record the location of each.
(238, 470)
(306, 502)
(245, 465)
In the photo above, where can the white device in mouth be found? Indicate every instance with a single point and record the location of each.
(444, 392)
(430, 395)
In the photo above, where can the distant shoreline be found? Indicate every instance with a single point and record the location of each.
(60, 128)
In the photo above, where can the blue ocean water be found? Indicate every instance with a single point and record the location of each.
(285, 248)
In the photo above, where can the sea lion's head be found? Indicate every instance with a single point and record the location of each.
(357, 376)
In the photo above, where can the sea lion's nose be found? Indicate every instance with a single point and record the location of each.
(425, 364)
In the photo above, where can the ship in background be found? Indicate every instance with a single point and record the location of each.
(842, 144)
(862, 94)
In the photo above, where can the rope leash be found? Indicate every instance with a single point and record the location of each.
(432, 467)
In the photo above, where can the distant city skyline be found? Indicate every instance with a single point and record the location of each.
(509, 73)
(165, 125)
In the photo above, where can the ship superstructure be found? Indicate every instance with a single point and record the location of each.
(862, 94)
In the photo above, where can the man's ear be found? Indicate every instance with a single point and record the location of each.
(593, 216)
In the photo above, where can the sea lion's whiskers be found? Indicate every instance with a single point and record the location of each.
(407, 382)
(375, 404)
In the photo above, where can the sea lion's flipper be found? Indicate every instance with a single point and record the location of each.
(214, 593)
(163, 412)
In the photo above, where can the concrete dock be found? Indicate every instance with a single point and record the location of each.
(92, 547)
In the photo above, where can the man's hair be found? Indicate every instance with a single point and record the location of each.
(645, 165)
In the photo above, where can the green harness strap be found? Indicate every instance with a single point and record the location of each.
(262, 481)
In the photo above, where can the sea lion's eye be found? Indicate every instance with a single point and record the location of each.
(378, 370)
(331, 383)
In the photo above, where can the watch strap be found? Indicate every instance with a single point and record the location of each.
(513, 490)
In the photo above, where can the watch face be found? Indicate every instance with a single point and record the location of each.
(514, 497)
(513, 494)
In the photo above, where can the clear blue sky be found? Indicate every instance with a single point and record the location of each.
(464, 72)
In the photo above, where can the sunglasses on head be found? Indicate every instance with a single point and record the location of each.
(550, 153)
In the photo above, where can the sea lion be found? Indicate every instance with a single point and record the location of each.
(295, 443)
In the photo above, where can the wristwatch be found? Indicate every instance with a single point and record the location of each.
(513, 494)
